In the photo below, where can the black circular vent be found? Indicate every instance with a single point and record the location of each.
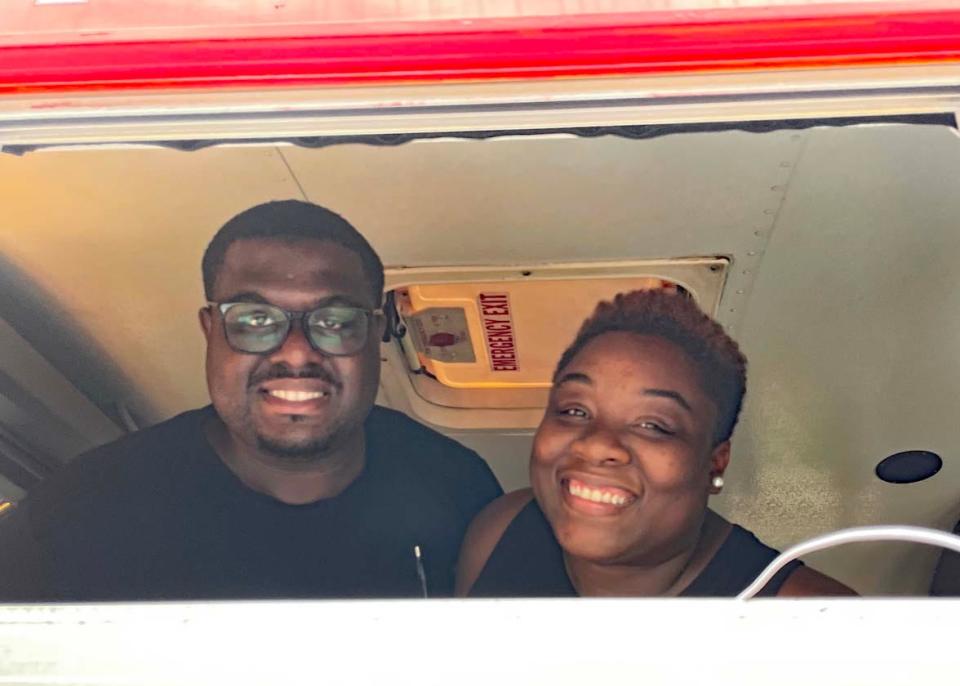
(909, 467)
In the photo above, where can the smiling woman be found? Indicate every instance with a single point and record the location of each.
(635, 438)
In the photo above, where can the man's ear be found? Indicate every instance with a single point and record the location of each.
(206, 322)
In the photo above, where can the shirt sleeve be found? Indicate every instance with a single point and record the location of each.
(483, 487)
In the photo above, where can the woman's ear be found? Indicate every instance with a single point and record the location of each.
(719, 461)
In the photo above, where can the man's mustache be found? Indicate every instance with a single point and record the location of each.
(282, 371)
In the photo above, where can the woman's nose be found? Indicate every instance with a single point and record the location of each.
(602, 446)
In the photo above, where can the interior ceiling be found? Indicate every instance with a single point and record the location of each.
(842, 290)
(114, 237)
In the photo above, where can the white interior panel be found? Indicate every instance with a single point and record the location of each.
(9, 490)
(852, 334)
(41, 407)
(548, 200)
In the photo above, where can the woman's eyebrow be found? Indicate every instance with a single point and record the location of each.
(672, 395)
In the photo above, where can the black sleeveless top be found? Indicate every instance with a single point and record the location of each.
(528, 562)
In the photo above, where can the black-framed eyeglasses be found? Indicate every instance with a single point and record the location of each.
(259, 328)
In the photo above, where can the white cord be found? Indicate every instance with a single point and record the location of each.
(911, 534)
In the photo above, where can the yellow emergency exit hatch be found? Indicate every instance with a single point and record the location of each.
(490, 337)
(506, 334)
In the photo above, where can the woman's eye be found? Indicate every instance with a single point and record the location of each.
(571, 412)
(657, 428)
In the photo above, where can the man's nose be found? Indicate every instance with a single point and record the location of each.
(601, 445)
(296, 351)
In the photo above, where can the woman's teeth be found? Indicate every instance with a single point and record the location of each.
(597, 495)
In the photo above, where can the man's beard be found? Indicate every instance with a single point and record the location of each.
(300, 452)
(308, 450)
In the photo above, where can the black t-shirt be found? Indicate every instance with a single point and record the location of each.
(528, 562)
(157, 515)
(946, 577)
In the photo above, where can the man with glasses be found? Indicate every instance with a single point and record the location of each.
(292, 484)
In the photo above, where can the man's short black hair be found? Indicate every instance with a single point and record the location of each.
(291, 220)
(676, 318)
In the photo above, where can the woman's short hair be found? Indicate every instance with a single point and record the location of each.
(676, 318)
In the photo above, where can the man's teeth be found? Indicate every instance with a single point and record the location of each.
(297, 396)
(596, 495)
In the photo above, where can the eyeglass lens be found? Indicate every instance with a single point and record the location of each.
(262, 328)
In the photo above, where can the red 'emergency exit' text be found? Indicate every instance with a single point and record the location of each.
(498, 331)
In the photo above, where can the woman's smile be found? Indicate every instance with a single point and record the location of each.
(588, 497)
(622, 460)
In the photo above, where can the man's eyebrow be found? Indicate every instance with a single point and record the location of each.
(672, 395)
(333, 300)
(574, 377)
(246, 297)
(346, 300)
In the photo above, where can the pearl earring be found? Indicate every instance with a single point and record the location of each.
(718, 482)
